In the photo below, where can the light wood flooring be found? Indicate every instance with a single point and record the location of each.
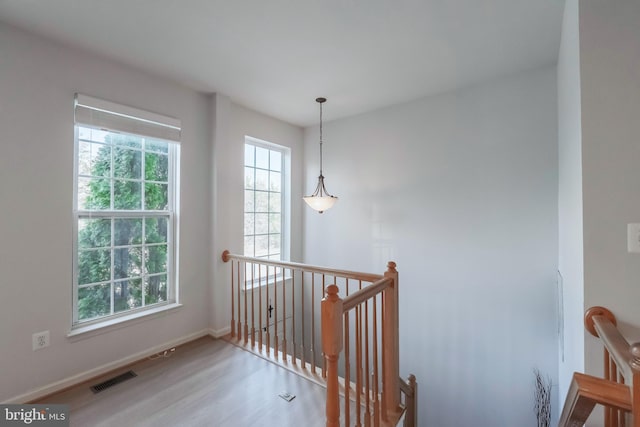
(204, 383)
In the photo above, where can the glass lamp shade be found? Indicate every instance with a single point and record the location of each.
(320, 203)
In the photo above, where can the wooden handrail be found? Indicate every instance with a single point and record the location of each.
(405, 386)
(619, 390)
(585, 392)
(617, 346)
(364, 294)
(356, 275)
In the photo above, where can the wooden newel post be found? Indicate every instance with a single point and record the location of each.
(332, 346)
(390, 329)
(411, 417)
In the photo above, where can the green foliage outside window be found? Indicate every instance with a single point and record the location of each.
(124, 258)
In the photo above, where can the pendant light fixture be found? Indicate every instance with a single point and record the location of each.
(320, 200)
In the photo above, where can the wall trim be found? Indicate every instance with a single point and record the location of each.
(100, 370)
(219, 333)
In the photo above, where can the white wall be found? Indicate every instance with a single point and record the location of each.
(461, 190)
(610, 86)
(599, 101)
(38, 80)
(233, 123)
(570, 253)
(609, 40)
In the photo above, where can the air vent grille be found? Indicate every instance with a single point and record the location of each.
(113, 381)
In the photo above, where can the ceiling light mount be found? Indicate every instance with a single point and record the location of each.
(320, 200)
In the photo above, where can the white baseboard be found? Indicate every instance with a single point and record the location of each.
(218, 333)
(92, 373)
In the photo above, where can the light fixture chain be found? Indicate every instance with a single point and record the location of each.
(321, 139)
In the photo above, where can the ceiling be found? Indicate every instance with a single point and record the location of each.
(277, 56)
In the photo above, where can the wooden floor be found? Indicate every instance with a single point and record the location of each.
(204, 383)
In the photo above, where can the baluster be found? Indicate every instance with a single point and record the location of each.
(614, 377)
(233, 309)
(347, 372)
(246, 310)
(376, 402)
(608, 412)
(313, 322)
(260, 307)
(275, 310)
(633, 383)
(268, 316)
(323, 288)
(303, 360)
(239, 312)
(324, 364)
(367, 419)
(621, 413)
(253, 309)
(294, 350)
(383, 354)
(358, 365)
(283, 346)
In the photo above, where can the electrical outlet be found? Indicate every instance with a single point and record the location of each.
(40, 340)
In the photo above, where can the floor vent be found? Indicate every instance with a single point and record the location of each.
(113, 381)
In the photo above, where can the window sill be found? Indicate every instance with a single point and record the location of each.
(87, 331)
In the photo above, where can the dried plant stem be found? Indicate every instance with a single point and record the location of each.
(542, 399)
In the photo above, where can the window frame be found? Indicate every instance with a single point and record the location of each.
(285, 196)
(170, 214)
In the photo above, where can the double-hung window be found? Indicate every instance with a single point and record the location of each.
(125, 186)
(266, 187)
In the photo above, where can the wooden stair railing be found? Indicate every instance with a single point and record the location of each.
(619, 390)
(362, 367)
(373, 314)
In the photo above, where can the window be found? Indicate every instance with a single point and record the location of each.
(265, 195)
(125, 205)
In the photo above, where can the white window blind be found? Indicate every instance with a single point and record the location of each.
(107, 115)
